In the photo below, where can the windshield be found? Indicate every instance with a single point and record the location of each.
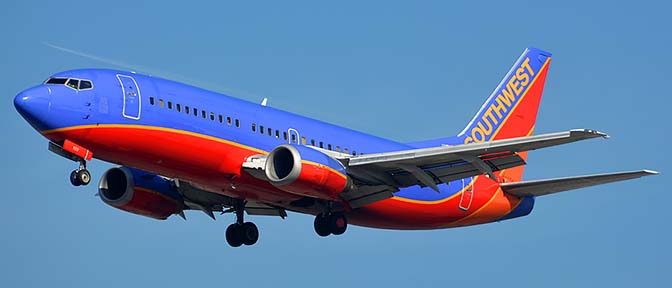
(77, 84)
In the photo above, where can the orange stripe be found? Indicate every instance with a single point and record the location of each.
(155, 128)
(521, 98)
(325, 166)
(435, 201)
(163, 129)
(155, 193)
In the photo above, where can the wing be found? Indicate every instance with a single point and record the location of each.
(549, 186)
(377, 176)
(209, 202)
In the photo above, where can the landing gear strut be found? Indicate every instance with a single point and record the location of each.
(80, 176)
(241, 232)
(330, 223)
(76, 153)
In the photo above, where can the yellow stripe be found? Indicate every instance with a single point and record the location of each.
(155, 128)
(325, 166)
(520, 100)
(477, 211)
(164, 129)
(493, 136)
(398, 198)
(155, 193)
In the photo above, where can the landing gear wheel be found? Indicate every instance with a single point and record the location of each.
(241, 232)
(83, 177)
(338, 223)
(248, 233)
(74, 180)
(321, 225)
(232, 236)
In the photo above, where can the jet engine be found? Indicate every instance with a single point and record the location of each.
(140, 193)
(305, 171)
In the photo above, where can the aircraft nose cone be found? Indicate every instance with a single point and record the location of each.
(33, 105)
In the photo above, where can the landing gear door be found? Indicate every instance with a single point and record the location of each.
(131, 97)
(467, 194)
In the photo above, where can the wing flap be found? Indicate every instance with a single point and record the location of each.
(447, 154)
(549, 186)
(459, 169)
(446, 163)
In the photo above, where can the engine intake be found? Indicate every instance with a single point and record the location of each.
(140, 193)
(305, 171)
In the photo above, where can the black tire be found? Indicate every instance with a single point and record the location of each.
(321, 226)
(248, 233)
(74, 180)
(338, 223)
(84, 177)
(232, 235)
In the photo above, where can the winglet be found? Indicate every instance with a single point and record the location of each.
(590, 133)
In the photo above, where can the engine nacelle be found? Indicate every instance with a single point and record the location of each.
(140, 193)
(305, 171)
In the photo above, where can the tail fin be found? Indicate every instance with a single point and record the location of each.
(511, 110)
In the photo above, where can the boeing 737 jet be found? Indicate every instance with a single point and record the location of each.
(179, 147)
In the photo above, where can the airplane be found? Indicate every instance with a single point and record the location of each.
(180, 148)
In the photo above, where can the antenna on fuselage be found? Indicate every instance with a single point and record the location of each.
(264, 101)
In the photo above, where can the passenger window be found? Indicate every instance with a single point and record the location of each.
(212, 116)
(345, 150)
(170, 105)
(178, 107)
(293, 138)
(186, 109)
(237, 123)
(277, 134)
(254, 127)
(261, 129)
(85, 84)
(338, 148)
(303, 140)
(73, 83)
(221, 118)
(312, 142)
(328, 146)
(196, 112)
(321, 144)
(161, 104)
(284, 135)
(151, 100)
(228, 121)
(354, 153)
(270, 132)
(203, 114)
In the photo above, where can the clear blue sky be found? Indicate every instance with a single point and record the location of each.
(408, 72)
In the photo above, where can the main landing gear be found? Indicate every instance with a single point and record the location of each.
(241, 232)
(80, 176)
(330, 223)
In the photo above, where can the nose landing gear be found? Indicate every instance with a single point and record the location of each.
(74, 152)
(81, 176)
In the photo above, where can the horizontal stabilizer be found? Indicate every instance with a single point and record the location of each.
(549, 186)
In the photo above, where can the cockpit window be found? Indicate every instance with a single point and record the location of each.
(85, 84)
(73, 83)
(77, 84)
(57, 80)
